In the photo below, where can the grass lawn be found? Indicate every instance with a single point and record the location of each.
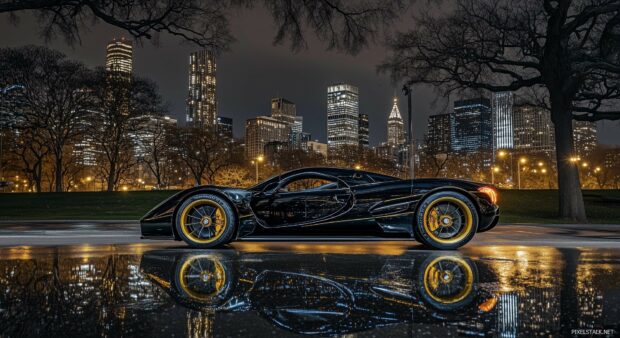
(540, 206)
(524, 206)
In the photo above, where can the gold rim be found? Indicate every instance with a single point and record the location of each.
(202, 277)
(448, 220)
(203, 221)
(448, 280)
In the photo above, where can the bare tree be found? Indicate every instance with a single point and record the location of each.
(30, 149)
(570, 50)
(202, 151)
(342, 24)
(156, 157)
(122, 105)
(54, 97)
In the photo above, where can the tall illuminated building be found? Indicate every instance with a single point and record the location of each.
(260, 131)
(396, 126)
(201, 101)
(438, 138)
(584, 137)
(283, 110)
(119, 57)
(501, 110)
(533, 129)
(471, 129)
(342, 115)
(364, 130)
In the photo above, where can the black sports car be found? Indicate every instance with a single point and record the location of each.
(440, 213)
(329, 294)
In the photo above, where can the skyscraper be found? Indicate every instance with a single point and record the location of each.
(503, 132)
(364, 130)
(262, 130)
(225, 127)
(533, 129)
(119, 57)
(584, 136)
(201, 101)
(438, 137)
(283, 110)
(470, 127)
(342, 115)
(396, 126)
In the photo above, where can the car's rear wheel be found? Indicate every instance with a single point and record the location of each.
(446, 220)
(448, 282)
(205, 221)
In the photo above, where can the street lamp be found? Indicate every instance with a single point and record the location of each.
(521, 161)
(503, 154)
(493, 171)
(259, 159)
(358, 167)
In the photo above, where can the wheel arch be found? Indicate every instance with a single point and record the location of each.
(212, 191)
(462, 191)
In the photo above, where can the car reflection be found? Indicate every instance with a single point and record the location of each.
(324, 293)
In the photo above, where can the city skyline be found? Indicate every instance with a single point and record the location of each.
(259, 71)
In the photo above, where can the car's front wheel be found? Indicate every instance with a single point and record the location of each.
(446, 220)
(205, 221)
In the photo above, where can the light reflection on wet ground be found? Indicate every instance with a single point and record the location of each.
(278, 289)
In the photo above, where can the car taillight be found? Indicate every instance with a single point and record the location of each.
(491, 192)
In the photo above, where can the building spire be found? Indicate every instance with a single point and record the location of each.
(395, 113)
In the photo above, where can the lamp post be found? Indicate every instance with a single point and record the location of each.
(502, 154)
(260, 158)
(493, 171)
(522, 160)
(410, 139)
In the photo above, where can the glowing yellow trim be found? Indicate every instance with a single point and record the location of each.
(432, 279)
(219, 216)
(219, 274)
(431, 222)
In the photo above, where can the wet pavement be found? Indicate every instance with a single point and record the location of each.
(505, 284)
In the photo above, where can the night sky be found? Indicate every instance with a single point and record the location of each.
(254, 71)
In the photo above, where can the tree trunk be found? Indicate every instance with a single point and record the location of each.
(569, 187)
(111, 177)
(58, 186)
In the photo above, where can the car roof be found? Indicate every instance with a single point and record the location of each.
(340, 173)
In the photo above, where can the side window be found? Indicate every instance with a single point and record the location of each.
(309, 184)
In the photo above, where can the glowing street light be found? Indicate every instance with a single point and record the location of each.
(493, 171)
(502, 154)
(597, 169)
(358, 167)
(259, 159)
(521, 161)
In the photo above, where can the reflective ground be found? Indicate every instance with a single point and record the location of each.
(278, 290)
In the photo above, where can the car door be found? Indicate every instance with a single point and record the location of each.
(302, 199)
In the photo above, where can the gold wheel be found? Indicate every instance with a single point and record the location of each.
(448, 280)
(203, 221)
(202, 277)
(448, 220)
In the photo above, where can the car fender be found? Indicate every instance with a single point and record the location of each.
(448, 188)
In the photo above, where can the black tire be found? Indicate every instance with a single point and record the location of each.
(452, 294)
(459, 217)
(222, 222)
(204, 280)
